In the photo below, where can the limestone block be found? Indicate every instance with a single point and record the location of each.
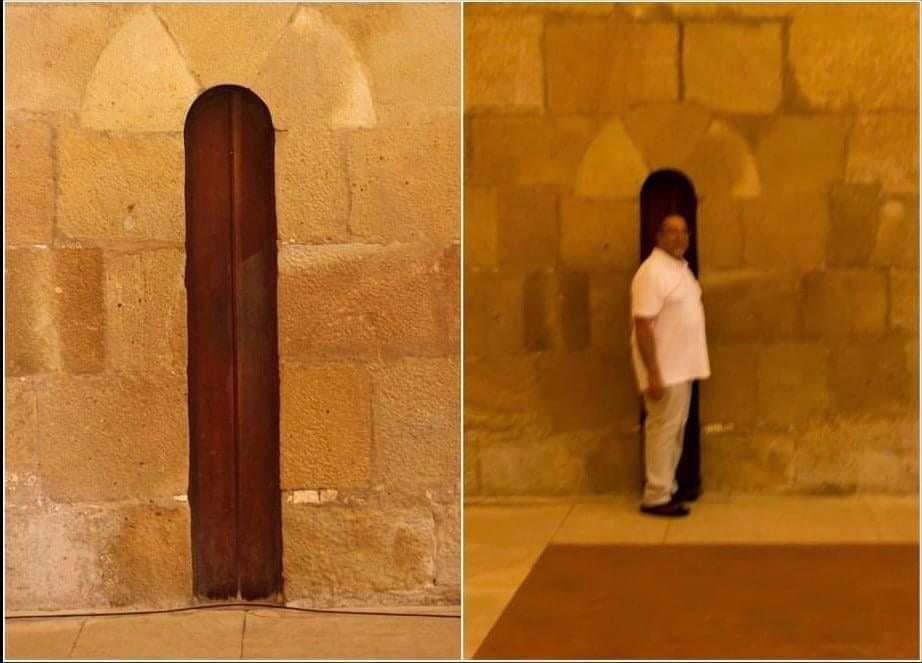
(854, 220)
(448, 546)
(734, 9)
(325, 421)
(528, 228)
(884, 148)
(312, 187)
(526, 150)
(729, 396)
(501, 395)
(578, 390)
(416, 414)
(610, 311)
(504, 67)
(793, 383)
(52, 49)
(720, 232)
(107, 191)
(494, 314)
(897, 240)
(666, 132)
(802, 153)
(405, 183)
(141, 81)
(904, 300)
(20, 461)
(29, 183)
(733, 67)
(55, 311)
(113, 437)
(599, 65)
(556, 311)
(146, 310)
(845, 302)
(362, 301)
(481, 212)
(225, 43)
(547, 8)
(314, 76)
(869, 375)
(365, 551)
(747, 462)
(471, 465)
(722, 164)
(860, 56)
(787, 232)
(613, 166)
(747, 305)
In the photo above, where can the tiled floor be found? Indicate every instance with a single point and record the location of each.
(238, 633)
(503, 541)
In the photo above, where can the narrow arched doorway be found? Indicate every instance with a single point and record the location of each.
(667, 192)
(231, 281)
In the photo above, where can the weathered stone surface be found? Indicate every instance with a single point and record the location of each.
(722, 164)
(501, 395)
(416, 414)
(203, 33)
(904, 300)
(20, 458)
(528, 228)
(481, 212)
(802, 153)
(503, 64)
(884, 148)
(365, 551)
(853, 212)
(747, 462)
(29, 183)
(106, 188)
(747, 305)
(787, 232)
(859, 55)
(612, 167)
(314, 76)
(141, 81)
(405, 183)
(793, 383)
(325, 423)
(448, 547)
(526, 150)
(610, 311)
(733, 67)
(113, 437)
(494, 313)
(363, 301)
(55, 310)
(666, 132)
(869, 375)
(587, 390)
(841, 303)
(720, 232)
(734, 9)
(598, 65)
(145, 310)
(52, 49)
(729, 396)
(897, 241)
(556, 311)
(312, 182)
(472, 486)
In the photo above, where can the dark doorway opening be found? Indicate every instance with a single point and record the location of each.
(231, 276)
(663, 193)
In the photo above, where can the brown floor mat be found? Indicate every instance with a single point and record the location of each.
(714, 601)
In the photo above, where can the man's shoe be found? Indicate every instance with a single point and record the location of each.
(690, 495)
(671, 509)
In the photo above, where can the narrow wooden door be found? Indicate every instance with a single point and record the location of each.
(231, 275)
(670, 192)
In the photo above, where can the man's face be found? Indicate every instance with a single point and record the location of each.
(673, 236)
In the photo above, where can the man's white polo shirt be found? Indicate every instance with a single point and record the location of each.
(665, 289)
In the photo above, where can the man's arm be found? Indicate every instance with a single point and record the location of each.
(646, 344)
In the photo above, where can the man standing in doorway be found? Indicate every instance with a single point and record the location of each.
(669, 350)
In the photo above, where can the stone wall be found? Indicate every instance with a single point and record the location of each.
(797, 125)
(365, 102)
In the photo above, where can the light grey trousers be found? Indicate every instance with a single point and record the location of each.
(664, 430)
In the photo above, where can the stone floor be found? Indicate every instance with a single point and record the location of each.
(502, 541)
(237, 633)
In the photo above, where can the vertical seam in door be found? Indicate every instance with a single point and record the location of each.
(234, 111)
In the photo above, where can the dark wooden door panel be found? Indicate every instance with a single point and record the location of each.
(233, 361)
